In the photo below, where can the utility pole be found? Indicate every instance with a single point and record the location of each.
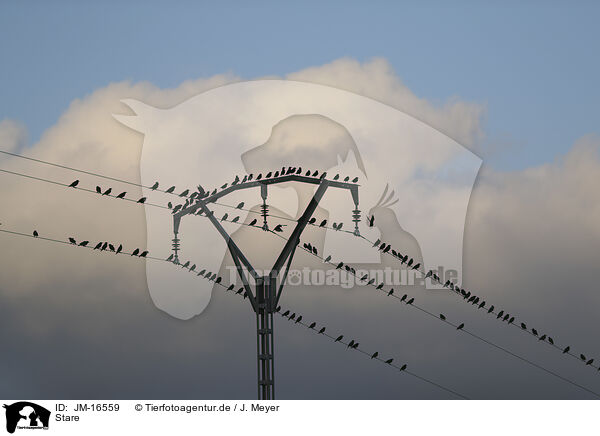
(266, 294)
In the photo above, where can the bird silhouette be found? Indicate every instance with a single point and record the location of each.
(550, 340)
(230, 288)
(155, 186)
(541, 338)
(374, 355)
(286, 313)
(122, 194)
(339, 338)
(259, 176)
(354, 180)
(98, 189)
(236, 219)
(170, 190)
(327, 259)
(136, 252)
(35, 234)
(74, 184)
(389, 361)
(98, 245)
(142, 200)
(72, 240)
(239, 206)
(121, 249)
(391, 292)
(170, 258)
(337, 176)
(589, 362)
(534, 331)
(371, 220)
(582, 356)
(176, 208)
(460, 327)
(376, 243)
(403, 367)
(403, 297)
(279, 227)
(312, 325)
(350, 344)
(144, 253)
(184, 193)
(224, 217)
(523, 326)
(224, 186)
(84, 243)
(323, 223)
(107, 192)
(442, 317)
(322, 330)
(252, 222)
(312, 220)
(566, 350)
(170, 205)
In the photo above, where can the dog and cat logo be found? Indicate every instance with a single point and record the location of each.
(26, 415)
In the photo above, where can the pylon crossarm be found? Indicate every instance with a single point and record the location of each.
(193, 208)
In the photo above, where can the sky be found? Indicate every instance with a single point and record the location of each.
(531, 63)
(515, 84)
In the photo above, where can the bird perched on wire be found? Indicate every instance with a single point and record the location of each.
(144, 253)
(252, 222)
(107, 192)
(98, 245)
(389, 361)
(142, 200)
(460, 327)
(35, 234)
(236, 219)
(374, 355)
(323, 223)
(339, 338)
(224, 217)
(279, 227)
(121, 249)
(155, 186)
(72, 240)
(312, 220)
(170, 190)
(122, 195)
(239, 206)
(84, 243)
(371, 221)
(136, 252)
(322, 330)
(98, 189)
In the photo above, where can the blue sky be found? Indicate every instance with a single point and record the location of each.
(535, 65)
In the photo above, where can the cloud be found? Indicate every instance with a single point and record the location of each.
(460, 120)
(13, 135)
(77, 324)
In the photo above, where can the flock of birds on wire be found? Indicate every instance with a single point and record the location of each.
(209, 275)
(384, 248)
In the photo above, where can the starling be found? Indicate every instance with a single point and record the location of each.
(74, 184)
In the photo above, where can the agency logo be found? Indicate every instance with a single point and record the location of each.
(415, 182)
(24, 415)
